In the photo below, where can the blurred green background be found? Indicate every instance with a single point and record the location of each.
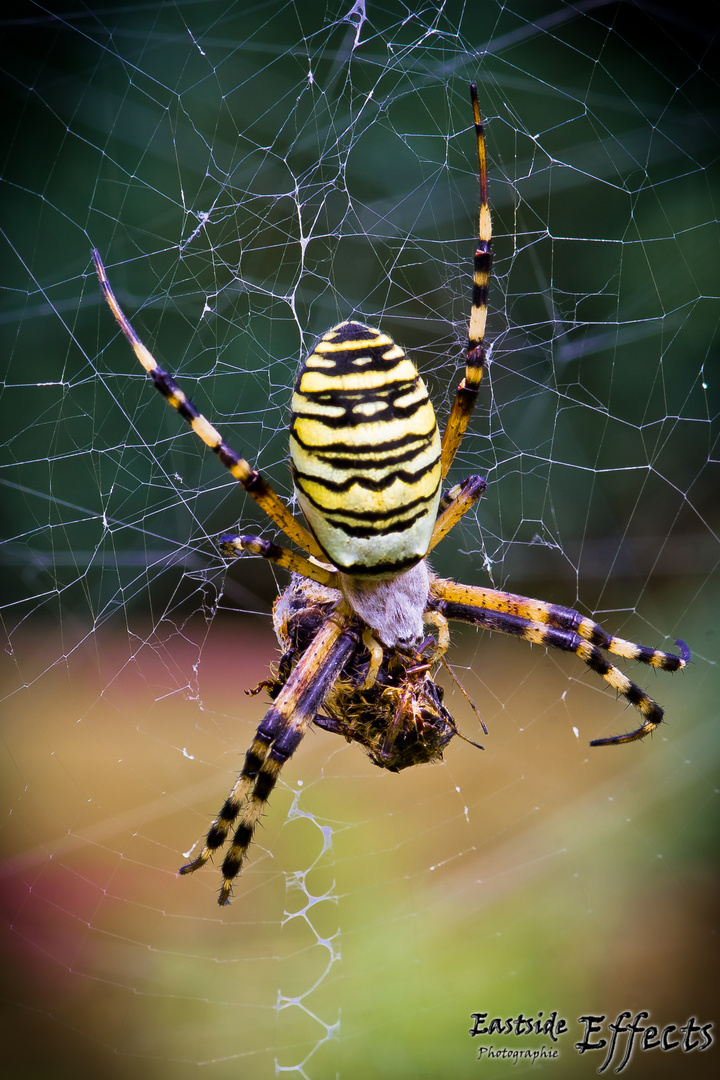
(252, 175)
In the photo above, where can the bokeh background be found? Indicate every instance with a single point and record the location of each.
(253, 174)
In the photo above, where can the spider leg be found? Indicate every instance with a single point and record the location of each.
(276, 739)
(249, 478)
(454, 504)
(234, 546)
(561, 618)
(443, 643)
(561, 628)
(377, 653)
(475, 356)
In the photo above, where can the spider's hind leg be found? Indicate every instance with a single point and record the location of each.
(454, 504)
(239, 468)
(475, 354)
(322, 573)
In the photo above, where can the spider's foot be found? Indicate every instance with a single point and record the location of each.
(629, 650)
(272, 686)
(225, 892)
(630, 736)
(650, 709)
(191, 867)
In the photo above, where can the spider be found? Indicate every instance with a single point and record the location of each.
(368, 465)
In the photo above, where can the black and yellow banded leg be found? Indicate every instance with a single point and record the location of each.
(249, 478)
(235, 546)
(656, 658)
(277, 737)
(223, 823)
(454, 505)
(560, 618)
(510, 614)
(475, 356)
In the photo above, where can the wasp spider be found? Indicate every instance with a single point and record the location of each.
(368, 465)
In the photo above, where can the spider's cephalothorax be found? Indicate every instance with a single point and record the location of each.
(368, 463)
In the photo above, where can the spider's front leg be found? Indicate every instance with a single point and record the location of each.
(276, 739)
(563, 628)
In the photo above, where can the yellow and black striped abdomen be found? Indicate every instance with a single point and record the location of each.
(365, 452)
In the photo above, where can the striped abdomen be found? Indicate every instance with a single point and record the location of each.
(365, 452)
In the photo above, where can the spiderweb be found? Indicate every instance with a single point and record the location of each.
(252, 174)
